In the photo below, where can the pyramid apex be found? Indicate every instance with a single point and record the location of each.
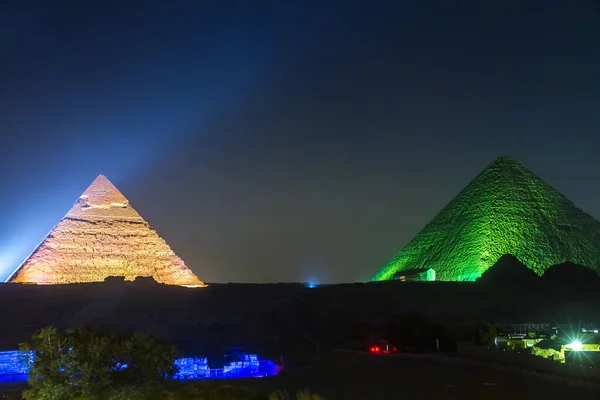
(102, 199)
(504, 163)
(101, 177)
(505, 159)
(102, 192)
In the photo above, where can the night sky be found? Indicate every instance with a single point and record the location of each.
(273, 140)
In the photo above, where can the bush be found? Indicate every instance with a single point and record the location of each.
(186, 390)
(300, 395)
(207, 391)
(547, 353)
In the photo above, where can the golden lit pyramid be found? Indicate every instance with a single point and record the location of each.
(102, 236)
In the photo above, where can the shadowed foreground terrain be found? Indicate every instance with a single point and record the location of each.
(351, 376)
(354, 376)
(304, 325)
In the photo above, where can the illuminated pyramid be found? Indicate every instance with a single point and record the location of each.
(506, 209)
(101, 236)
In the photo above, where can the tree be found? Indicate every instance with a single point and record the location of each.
(86, 364)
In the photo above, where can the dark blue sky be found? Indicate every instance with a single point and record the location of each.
(274, 140)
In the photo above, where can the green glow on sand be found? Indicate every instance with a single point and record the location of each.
(506, 209)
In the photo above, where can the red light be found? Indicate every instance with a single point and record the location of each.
(383, 350)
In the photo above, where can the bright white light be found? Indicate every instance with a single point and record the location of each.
(576, 345)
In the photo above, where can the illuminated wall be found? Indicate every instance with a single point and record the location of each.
(506, 209)
(101, 236)
(13, 363)
(249, 366)
(13, 366)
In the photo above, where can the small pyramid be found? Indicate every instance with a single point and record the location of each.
(102, 236)
(509, 271)
(506, 209)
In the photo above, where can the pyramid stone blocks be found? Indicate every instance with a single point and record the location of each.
(506, 209)
(102, 236)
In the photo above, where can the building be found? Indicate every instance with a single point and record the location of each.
(506, 209)
(103, 236)
(517, 342)
(415, 275)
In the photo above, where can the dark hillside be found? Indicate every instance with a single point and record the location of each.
(277, 318)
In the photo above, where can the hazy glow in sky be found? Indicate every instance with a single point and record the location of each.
(271, 141)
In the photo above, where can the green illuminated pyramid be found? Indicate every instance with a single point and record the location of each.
(506, 209)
